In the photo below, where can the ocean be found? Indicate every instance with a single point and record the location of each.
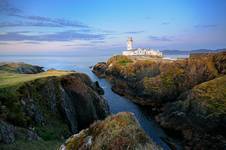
(116, 103)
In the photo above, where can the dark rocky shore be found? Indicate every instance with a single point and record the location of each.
(187, 96)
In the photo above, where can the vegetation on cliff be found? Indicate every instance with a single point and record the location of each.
(20, 68)
(120, 131)
(158, 80)
(189, 95)
(200, 115)
(46, 106)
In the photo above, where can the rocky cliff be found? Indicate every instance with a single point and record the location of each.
(47, 106)
(187, 95)
(120, 131)
(199, 116)
(156, 81)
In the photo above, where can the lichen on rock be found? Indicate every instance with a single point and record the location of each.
(120, 131)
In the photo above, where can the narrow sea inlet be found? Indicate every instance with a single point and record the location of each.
(116, 103)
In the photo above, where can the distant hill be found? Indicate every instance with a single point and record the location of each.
(187, 52)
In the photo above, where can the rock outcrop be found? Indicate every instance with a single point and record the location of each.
(187, 95)
(20, 68)
(121, 131)
(99, 69)
(49, 106)
(200, 115)
(9, 133)
(158, 81)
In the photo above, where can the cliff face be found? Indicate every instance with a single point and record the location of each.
(156, 81)
(188, 96)
(120, 131)
(48, 106)
(200, 115)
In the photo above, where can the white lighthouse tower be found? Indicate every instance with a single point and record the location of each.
(129, 43)
(140, 51)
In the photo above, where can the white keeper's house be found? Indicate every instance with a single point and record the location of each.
(140, 51)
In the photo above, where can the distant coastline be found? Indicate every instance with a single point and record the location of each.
(187, 52)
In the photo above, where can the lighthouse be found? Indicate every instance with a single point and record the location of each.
(140, 51)
(129, 43)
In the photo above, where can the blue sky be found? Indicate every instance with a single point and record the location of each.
(50, 26)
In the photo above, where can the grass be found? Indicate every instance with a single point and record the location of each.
(9, 79)
(13, 85)
(56, 128)
(212, 95)
(12, 67)
(124, 62)
(165, 80)
(120, 59)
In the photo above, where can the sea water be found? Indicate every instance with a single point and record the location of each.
(116, 103)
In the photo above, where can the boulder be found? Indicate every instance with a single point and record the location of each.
(120, 131)
(7, 132)
(99, 69)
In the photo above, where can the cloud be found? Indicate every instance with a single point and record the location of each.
(7, 8)
(40, 24)
(46, 22)
(17, 17)
(3, 43)
(30, 42)
(165, 23)
(206, 26)
(26, 24)
(162, 38)
(58, 36)
(98, 42)
(49, 22)
(134, 32)
(28, 20)
(79, 45)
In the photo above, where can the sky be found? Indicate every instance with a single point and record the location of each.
(90, 26)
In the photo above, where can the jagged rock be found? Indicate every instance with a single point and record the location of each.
(88, 105)
(55, 105)
(26, 134)
(7, 132)
(200, 116)
(121, 131)
(97, 88)
(10, 133)
(99, 69)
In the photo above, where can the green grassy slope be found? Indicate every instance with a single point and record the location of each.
(10, 79)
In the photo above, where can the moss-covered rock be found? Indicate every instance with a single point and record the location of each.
(120, 131)
(99, 69)
(157, 80)
(200, 115)
(189, 93)
(54, 104)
